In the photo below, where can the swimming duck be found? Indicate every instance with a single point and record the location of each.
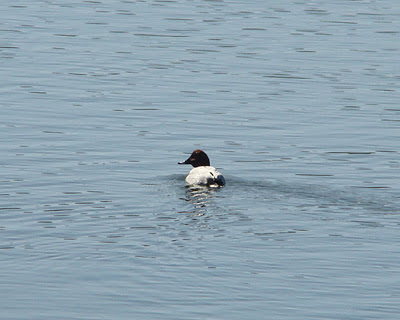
(202, 174)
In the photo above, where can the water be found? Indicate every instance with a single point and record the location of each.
(296, 103)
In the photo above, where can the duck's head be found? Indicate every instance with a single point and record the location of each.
(198, 158)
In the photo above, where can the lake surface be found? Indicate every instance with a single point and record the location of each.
(295, 102)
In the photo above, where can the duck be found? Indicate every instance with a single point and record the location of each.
(202, 174)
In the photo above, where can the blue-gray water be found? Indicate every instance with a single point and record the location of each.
(296, 103)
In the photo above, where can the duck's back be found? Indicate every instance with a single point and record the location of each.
(205, 176)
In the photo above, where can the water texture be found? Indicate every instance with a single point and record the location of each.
(295, 102)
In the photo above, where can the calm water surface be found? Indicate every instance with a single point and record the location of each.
(296, 102)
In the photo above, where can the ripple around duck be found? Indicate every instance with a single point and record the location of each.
(312, 197)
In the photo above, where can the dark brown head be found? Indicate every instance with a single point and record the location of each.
(198, 158)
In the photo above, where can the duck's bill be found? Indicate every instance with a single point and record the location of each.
(187, 161)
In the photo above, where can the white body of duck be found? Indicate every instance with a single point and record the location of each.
(205, 176)
(202, 174)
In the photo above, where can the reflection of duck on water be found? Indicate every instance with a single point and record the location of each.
(200, 198)
(203, 174)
